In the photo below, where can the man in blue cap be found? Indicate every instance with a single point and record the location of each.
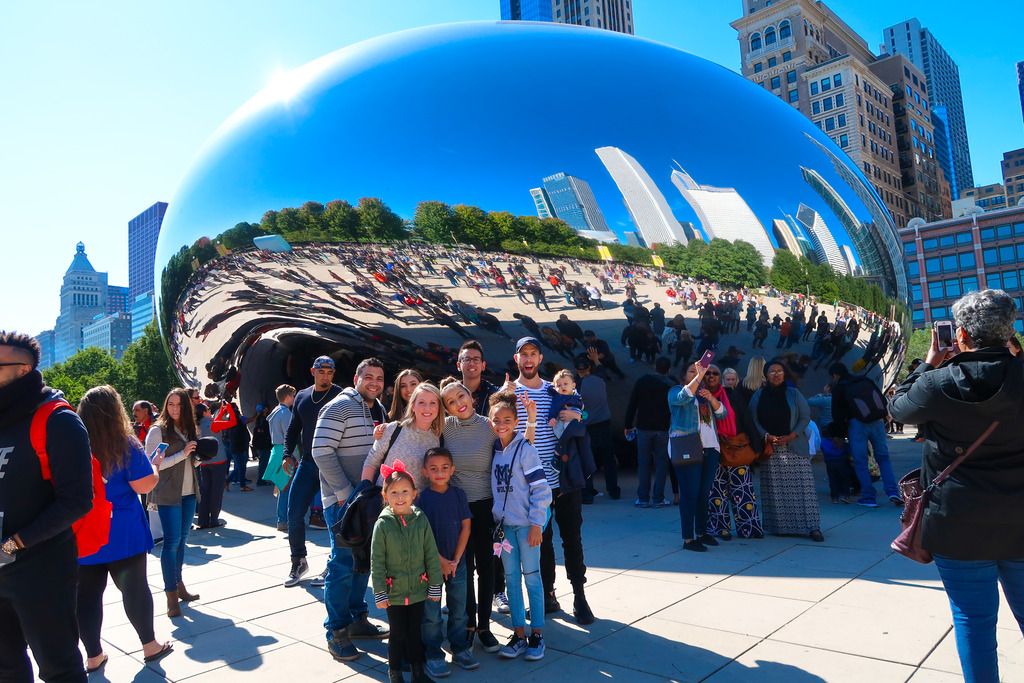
(305, 483)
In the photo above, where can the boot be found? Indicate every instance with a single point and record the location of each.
(580, 608)
(183, 593)
(173, 608)
(419, 675)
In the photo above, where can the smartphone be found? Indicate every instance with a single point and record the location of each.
(944, 331)
(705, 360)
(160, 448)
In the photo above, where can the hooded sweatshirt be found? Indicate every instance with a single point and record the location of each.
(521, 492)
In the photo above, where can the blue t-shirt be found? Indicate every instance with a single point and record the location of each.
(445, 512)
(129, 527)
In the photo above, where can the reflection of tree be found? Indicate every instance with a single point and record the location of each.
(792, 274)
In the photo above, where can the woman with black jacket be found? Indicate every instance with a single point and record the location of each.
(974, 523)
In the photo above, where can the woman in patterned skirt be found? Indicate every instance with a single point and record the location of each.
(788, 497)
(733, 485)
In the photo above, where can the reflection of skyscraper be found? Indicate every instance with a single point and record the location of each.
(851, 261)
(542, 202)
(824, 243)
(646, 204)
(785, 237)
(615, 15)
(572, 200)
(724, 215)
(634, 240)
(526, 10)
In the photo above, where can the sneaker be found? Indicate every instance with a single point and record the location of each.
(319, 580)
(299, 569)
(364, 629)
(282, 526)
(437, 668)
(641, 503)
(867, 503)
(466, 660)
(663, 503)
(896, 500)
(515, 647)
(535, 648)
(708, 539)
(501, 603)
(488, 643)
(694, 545)
(341, 647)
(581, 611)
(317, 521)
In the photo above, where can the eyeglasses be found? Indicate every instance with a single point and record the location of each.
(714, 374)
(471, 361)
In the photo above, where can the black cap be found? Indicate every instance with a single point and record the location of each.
(527, 340)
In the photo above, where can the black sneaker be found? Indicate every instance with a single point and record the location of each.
(695, 546)
(487, 641)
(340, 646)
(581, 610)
(299, 569)
(551, 604)
(708, 539)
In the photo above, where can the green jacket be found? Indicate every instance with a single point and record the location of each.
(404, 564)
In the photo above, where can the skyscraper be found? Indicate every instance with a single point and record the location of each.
(851, 260)
(1020, 85)
(1013, 176)
(46, 341)
(83, 296)
(724, 215)
(117, 299)
(542, 202)
(785, 237)
(143, 231)
(646, 204)
(825, 246)
(614, 15)
(111, 333)
(918, 45)
(573, 201)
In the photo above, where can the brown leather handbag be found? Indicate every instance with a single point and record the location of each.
(915, 502)
(736, 450)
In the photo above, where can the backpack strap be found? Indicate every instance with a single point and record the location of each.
(37, 431)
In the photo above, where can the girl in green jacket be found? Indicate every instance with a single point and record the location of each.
(405, 571)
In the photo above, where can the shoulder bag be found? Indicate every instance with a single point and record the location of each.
(915, 502)
(736, 450)
(686, 449)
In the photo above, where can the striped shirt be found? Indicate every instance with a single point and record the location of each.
(521, 492)
(341, 440)
(544, 439)
(472, 445)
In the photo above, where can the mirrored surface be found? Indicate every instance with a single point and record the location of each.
(321, 217)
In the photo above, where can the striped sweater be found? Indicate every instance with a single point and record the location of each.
(472, 445)
(544, 439)
(341, 440)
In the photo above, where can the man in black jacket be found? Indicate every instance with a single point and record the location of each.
(648, 412)
(39, 570)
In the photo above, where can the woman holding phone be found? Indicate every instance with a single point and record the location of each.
(170, 444)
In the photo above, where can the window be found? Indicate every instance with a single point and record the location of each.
(1011, 280)
(910, 248)
(816, 107)
(772, 61)
(952, 288)
(1020, 253)
(776, 82)
(913, 269)
(826, 84)
(932, 266)
(940, 313)
(794, 96)
(988, 234)
(1004, 232)
(769, 36)
(915, 293)
(969, 284)
(785, 29)
(844, 140)
(935, 290)
(830, 123)
(966, 260)
(946, 241)
(827, 104)
(840, 100)
(790, 77)
(930, 244)
(991, 257)
(994, 280)
(755, 40)
(787, 56)
(949, 264)
(758, 67)
(814, 87)
(837, 80)
(918, 316)
(1018, 229)
(1006, 254)
(841, 120)
(965, 237)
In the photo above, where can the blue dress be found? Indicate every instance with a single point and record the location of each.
(129, 526)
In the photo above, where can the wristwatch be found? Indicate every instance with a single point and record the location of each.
(10, 546)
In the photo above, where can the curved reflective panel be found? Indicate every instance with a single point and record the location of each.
(313, 220)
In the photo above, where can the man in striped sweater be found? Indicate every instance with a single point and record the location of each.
(341, 440)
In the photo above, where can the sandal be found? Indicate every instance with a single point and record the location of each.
(164, 651)
(94, 669)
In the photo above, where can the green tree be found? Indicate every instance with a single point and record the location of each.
(86, 369)
(341, 221)
(434, 221)
(787, 274)
(147, 370)
(474, 226)
(378, 222)
(241, 236)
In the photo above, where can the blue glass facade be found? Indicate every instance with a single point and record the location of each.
(143, 231)
(142, 313)
(526, 10)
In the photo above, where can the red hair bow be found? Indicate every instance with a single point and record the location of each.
(386, 471)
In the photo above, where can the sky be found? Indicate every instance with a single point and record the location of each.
(106, 105)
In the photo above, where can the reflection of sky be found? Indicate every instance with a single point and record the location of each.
(480, 113)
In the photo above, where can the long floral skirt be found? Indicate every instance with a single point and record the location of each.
(733, 487)
(788, 498)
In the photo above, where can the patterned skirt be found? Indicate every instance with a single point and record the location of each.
(733, 487)
(788, 497)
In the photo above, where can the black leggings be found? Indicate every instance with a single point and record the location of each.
(129, 576)
(405, 644)
(480, 557)
(211, 494)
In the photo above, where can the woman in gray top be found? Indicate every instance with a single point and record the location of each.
(421, 431)
(468, 436)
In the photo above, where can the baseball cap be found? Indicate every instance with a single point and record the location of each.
(323, 362)
(527, 340)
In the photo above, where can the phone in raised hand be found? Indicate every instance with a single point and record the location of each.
(705, 360)
(944, 331)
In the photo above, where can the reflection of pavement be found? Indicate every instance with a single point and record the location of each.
(784, 610)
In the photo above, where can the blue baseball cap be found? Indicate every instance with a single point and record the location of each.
(323, 362)
(527, 340)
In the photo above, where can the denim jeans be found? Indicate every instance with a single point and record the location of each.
(282, 504)
(523, 563)
(262, 458)
(860, 434)
(176, 521)
(689, 493)
(708, 470)
(344, 590)
(433, 631)
(305, 485)
(239, 461)
(971, 586)
(651, 454)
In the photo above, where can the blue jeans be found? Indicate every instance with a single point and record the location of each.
(688, 477)
(651, 454)
(860, 434)
(974, 600)
(708, 470)
(344, 590)
(523, 562)
(282, 504)
(304, 487)
(176, 521)
(433, 633)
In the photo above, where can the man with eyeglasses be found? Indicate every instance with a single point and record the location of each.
(471, 365)
(38, 553)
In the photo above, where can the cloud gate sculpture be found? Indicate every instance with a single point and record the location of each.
(320, 218)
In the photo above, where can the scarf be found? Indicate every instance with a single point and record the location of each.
(727, 424)
(773, 410)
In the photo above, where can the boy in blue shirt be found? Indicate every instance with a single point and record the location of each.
(837, 463)
(447, 510)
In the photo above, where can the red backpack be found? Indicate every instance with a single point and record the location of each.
(93, 530)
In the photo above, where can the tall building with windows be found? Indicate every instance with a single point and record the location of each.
(785, 237)
(542, 202)
(526, 10)
(118, 300)
(46, 342)
(825, 247)
(1013, 176)
(946, 259)
(572, 200)
(987, 197)
(142, 314)
(83, 296)
(802, 52)
(723, 214)
(910, 39)
(111, 333)
(143, 231)
(647, 206)
(1020, 86)
(614, 15)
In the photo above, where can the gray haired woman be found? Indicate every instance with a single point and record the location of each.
(974, 523)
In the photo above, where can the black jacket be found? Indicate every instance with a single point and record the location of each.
(355, 528)
(648, 404)
(978, 513)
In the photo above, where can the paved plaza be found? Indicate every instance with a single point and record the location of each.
(778, 609)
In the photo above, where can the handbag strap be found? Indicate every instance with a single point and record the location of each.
(511, 465)
(945, 474)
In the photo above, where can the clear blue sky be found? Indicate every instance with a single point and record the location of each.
(106, 104)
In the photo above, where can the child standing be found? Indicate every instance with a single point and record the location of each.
(837, 463)
(405, 571)
(447, 510)
(522, 499)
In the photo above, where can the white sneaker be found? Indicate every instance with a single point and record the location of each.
(501, 603)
